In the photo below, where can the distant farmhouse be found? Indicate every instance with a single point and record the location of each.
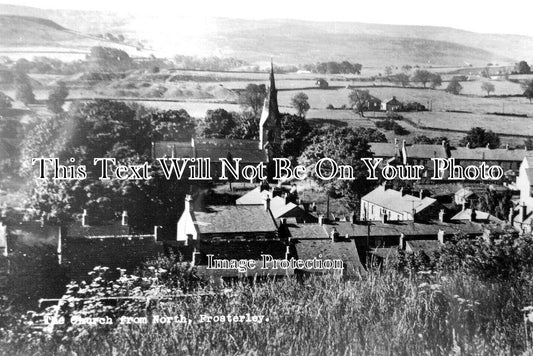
(392, 104)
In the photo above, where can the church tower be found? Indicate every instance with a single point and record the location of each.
(270, 123)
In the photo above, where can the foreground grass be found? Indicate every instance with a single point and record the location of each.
(387, 313)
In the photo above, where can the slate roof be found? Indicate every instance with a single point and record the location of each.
(408, 228)
(480, 215)
(307, 231)
(426, 151)
(214, 149)
(234, 219)
(396, 201)
(326, 249)
(254, 197)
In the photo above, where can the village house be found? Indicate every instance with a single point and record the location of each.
(421, 154)
(521, 216)
(392, 104)
(389, 204)
(83, 245)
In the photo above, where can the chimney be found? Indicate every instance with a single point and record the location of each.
(421, 194)
(523, 211)
(464, 206)
(267, 203)
(507, 146)
(306, 207)
(440, 236)
(188, 203)
(85, 218)
(473, 214)
(124, 218)
(334, 235)
(441, 215)
(488, 146)
(156, 233)
(384, 218)
(413, 212)
(195, 257)
(321, 220)
(353, 218)
(287, 252)
(283, 221)
(286, 198)
(401, 192)
(468, 145)
(313, 207)
(511, 215)
(402, 242)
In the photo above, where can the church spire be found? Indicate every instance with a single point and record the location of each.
(270, 122)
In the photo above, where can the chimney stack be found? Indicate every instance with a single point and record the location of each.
(511, 215)
(488, 146)
(441, 215)
(421, 194)
(321, 220)
(188, 203)
(473, 214)
(124, 218)
(353, 218)
(402, 242)
(193, 145)
(523, 211)
(413, 212)
(85, 218)
(384, 218)
(440, 236)
(156, 233)
(468, 145)
(334, 235)
(267, 203)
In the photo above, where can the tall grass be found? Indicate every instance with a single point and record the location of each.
(387, 313)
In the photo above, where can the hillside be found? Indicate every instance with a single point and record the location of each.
(289, 41)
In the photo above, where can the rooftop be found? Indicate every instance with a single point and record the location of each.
(234, 219)
(397, 201)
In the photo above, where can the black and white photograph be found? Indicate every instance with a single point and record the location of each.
(266, 177)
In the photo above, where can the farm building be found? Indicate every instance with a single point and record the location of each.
(392, 104)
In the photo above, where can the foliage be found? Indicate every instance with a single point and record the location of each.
(208, 63)
(346, 147)
(454, 87)
(252, 98)
(422, 76)
(322, 83)
(343, 67)
(23, 88)
(479, 137)
(390, 124)
(423, 139)
(436, 80)
(528, 89)
(300, 103)
(523, 68)
(217, 124)
(294, 132)
(57, 97)
(400, 78)
(5, 101)
(496, 203)
(359, 100)
(246, 127)
(488, 87)
(170, 125)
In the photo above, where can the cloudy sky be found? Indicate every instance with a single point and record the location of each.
(510, 16)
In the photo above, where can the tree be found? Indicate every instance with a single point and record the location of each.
(359, 100)
(322, 83)
(406, 68)
(478, 137)
(401, 78)
(294, 132)
(523, 68)
(246, 128)
(488, 87)
(217, 124)
(528, 90)
(170, 125)
(300, 103)
(388, 70)
(436, 80)
(423, 139)
(252, 98)
(345, 147)
(454, 87)
(23, 89)
(421, 76)
(496, 203)
(5, 101)
(57, 97)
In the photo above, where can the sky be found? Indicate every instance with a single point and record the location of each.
(510, 16)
